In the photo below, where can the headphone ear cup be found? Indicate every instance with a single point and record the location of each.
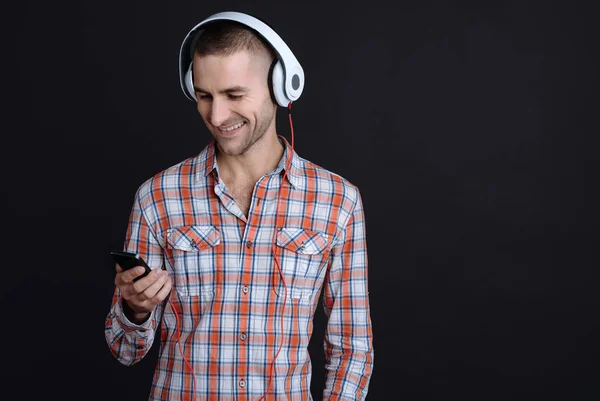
(189, 83)
(278, 80)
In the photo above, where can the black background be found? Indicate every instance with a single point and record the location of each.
(470, 128)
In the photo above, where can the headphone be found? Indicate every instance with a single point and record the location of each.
(287, 75)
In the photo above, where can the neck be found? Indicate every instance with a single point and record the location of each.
(262, 158)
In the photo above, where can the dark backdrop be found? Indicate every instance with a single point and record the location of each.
(470, 128)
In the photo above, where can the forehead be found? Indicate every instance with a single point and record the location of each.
(237, 68)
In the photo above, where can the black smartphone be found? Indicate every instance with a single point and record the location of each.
(127, 260)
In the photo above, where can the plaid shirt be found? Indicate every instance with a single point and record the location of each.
(228, 292)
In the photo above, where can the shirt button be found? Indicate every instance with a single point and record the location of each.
(245, 289)
(249, 244)
(243, 337)
(242, 383)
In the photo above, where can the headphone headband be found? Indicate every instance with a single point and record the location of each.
(292, 79)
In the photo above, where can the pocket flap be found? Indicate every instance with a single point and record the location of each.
(301, 241)
(193, 238)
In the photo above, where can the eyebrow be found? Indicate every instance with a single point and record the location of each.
(234, 89)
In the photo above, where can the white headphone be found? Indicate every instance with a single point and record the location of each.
(287, 75)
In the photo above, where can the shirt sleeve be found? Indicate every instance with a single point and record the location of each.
(348, 341)
(127, 341)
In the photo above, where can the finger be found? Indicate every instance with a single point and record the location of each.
(164, 291)
(125, 277)
(154, 294)
(124, 281)
(153, 288)
(142, 284)
(132, 273)
(119, 268)
(119, 280)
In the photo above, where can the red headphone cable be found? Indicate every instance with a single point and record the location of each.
(273, 248)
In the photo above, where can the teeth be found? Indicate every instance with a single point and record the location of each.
(233, 127)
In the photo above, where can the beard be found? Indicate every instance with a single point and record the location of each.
(264, 120)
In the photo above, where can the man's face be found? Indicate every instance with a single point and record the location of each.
(234, 99)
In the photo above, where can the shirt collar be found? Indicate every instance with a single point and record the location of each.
(207, 163)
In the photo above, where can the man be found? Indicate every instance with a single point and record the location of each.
(249, 234)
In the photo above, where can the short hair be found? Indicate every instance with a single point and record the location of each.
(228, 37)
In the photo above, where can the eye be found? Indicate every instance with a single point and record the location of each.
(234, 97)
(203, 96)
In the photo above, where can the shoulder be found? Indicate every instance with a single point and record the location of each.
(175, 177)
(327, 183)
(172, 177)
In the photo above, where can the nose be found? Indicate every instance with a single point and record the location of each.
(219, 112)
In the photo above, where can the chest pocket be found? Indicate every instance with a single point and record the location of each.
(302, 254)
(193, 249)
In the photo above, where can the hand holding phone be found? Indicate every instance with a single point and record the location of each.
(142, 293)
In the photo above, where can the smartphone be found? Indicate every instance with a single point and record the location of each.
(127, 260)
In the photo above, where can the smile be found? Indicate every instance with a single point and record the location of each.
(232, 127)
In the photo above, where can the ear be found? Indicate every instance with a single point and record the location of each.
(278, 80)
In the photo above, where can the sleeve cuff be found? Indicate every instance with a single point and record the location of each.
(126, 324)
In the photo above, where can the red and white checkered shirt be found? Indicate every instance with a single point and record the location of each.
(228, 292)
